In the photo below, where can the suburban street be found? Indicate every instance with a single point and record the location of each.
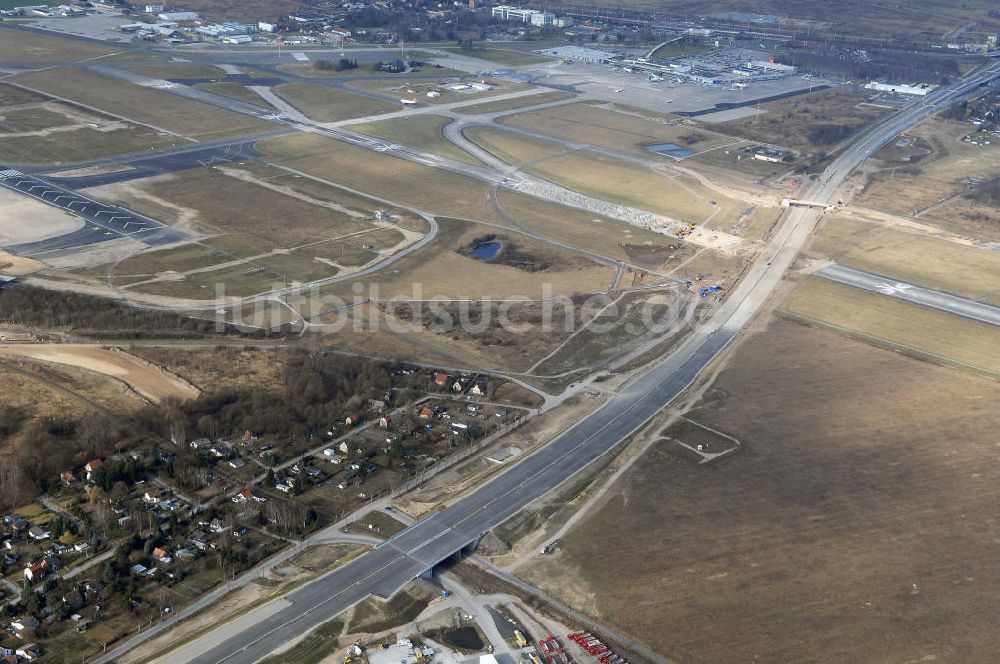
(417, 549)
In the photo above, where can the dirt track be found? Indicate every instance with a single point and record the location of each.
(145, 379)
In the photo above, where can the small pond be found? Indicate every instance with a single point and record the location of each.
(670, 149)
(463, 638)
(485, 251)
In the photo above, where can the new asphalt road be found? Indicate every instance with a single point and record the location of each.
(419, 547)
(104, 222)
(901, 290)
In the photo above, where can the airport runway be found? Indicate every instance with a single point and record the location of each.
(417, 548)
(104, 222)
(159, 164)
(901, 290)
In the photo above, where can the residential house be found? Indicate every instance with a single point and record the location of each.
(478, 389)
(151, 497)
(24, 626)
(74, 600)
(38, 533)
(92, 466)
(377, 405)
(441, 379)
(385, 422)
(425, 413)
(352, 420)
(237, 463)
(198, 540)
(458, 386)
(29, 651)
(201, 444)
(69, 477)
(15, 522)
(161, 555)
(246, 495)
(139, 570)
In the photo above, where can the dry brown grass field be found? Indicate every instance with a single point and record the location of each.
(515, 148)
(940, 264)
(144, 105)
(424, 132)
(234, 90)
(23, 387)
(383, 176)
(213, 201)
(677, 196)
(211, 369)
(99, 366)
(81, 144)
(908, 328)
(175, 70)
(517, 102)
(32, 47)
(790, 122)
(927, 178)
(623, 128)
(325, 104)
(579, 228)
(857, 524)
(444, 268)
(36, 130)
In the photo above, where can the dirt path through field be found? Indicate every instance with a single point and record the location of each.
(148, 380)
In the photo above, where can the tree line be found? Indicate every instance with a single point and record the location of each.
(100, 317)
(882, 65)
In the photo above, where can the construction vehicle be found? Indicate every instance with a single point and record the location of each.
(519, 639)
(686, 228)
